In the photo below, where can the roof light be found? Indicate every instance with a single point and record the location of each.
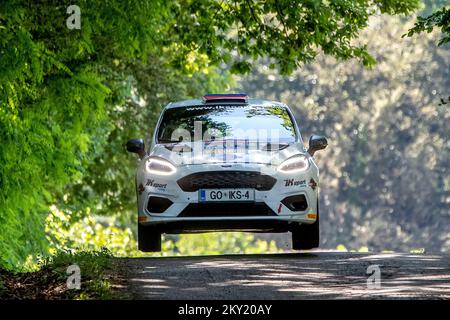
(218, 97)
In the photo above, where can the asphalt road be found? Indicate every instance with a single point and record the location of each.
(314, 275)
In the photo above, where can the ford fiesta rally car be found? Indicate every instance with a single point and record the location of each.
(227, 163)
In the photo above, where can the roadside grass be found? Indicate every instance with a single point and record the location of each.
(50, 280)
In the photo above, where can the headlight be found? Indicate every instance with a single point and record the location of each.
(160, 167)
(297, 163)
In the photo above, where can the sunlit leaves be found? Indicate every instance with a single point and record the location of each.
(439, 19)
(53, 119)
(290, 33)
(70, 98)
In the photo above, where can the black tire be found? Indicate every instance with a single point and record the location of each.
(149, 239)
(306, 236)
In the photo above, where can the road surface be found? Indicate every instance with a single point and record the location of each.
(313, 275)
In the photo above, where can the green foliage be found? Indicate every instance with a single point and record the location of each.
(53, 118)
(439, 19)
(94, 266)
(289, 33)
(92, 263)
(87, 234)
(95, 233)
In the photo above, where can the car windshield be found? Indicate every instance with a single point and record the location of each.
(271, 124)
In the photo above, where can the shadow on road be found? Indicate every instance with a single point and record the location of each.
(312, 275)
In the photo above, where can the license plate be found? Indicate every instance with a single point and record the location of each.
(212, 195)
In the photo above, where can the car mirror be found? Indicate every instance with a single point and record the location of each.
(316, 143)
(136, 146)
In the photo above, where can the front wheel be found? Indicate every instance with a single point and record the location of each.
(306, 236)
(149, 239)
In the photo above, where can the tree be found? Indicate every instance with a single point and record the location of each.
(290, 33)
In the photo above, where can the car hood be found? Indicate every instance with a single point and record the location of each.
(204, 154)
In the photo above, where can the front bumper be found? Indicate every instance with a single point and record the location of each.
(187, 213)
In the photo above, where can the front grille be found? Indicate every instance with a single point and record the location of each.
(226, 179)
(226, 210)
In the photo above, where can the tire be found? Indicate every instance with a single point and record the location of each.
(306, 236)
(149, 239)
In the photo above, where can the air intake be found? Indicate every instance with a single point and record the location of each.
(158, 204)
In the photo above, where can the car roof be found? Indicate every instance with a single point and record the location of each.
(199, 102)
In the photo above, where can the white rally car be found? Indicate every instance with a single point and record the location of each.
(227, 163)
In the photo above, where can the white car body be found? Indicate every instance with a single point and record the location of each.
(258, 170)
